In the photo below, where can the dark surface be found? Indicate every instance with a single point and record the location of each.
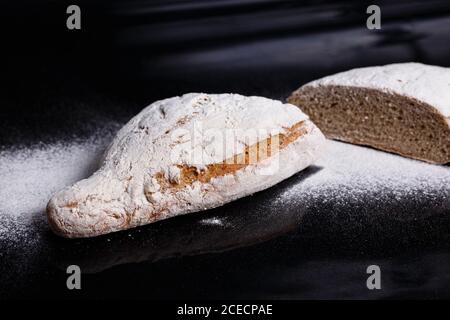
(60, 85)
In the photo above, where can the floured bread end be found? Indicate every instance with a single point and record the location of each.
(378, 107)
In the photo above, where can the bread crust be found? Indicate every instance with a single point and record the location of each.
(150, 173)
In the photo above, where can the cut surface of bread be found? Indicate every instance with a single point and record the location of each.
(187, 154)
(400, 108)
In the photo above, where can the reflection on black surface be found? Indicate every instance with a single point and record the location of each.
(261, 247)
(60, 85)
(275, 243)
(241, 223)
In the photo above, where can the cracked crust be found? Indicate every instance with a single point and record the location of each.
(151, 172)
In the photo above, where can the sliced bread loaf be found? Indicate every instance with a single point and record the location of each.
(402, 108)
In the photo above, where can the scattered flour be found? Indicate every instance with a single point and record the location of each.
(345, 173)
(214, 221)
(28, 178)
(348, 172)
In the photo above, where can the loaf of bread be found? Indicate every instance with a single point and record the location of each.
(187, 154)
(402, 108)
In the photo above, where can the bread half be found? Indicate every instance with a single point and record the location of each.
(402, 108)
(187, 154)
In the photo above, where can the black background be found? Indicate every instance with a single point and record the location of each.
(57, 84)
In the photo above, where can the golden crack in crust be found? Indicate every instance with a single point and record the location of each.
(254, 153)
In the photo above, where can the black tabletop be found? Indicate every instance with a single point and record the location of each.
(65, 87)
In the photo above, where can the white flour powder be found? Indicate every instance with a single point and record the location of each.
(28, 177)
(347, 172)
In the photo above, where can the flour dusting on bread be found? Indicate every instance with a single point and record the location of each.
(187, 154)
